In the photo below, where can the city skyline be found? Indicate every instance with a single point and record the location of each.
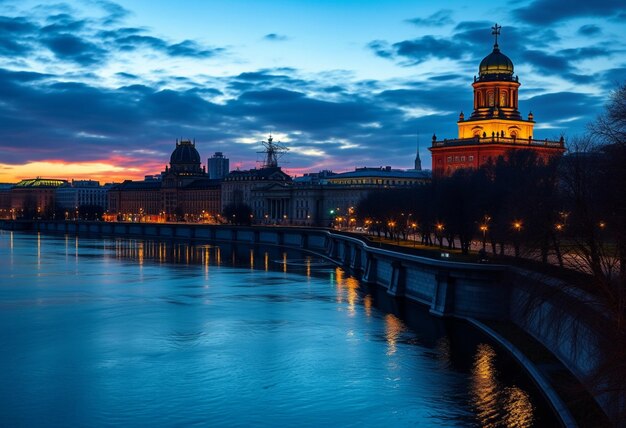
(103, 90)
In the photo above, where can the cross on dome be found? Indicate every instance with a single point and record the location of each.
(495, 30)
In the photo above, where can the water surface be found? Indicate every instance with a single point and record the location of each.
(131, 332)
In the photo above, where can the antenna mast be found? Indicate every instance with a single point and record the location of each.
(273, 151)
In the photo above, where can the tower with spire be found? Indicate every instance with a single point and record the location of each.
(418, 161)
(495, 126)
(495, 99)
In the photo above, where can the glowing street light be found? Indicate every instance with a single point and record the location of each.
(414, 228)
(517, 225)
(439, 228)
(484, 229)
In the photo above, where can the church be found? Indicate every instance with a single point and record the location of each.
(495, 126)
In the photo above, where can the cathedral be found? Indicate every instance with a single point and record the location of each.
(495, 126)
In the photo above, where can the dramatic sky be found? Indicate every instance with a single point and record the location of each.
(102, 89)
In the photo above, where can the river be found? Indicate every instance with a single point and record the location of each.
(101, 332)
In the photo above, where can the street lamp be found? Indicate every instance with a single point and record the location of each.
(517, 225)
(392, 225)
(484, 228)
(439, 229)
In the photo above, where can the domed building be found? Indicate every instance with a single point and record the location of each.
(185, 165)
(495, 125)
(182, 191)
(185, 160)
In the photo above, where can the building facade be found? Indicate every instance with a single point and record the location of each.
(5, 200)
(218, 166)
(184, 192)
(81, 193)
(245, 186)
(326, 198)
(495, 126)
(35, 197)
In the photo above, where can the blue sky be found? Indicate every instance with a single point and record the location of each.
(102, 89)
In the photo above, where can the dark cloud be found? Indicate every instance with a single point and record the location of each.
(449, 98)
(447, 77)
(546, 62)
(560, 105)
(72, 48)
(265, 79)
(381, 48)
(470, 40)
(613, 77)
(130, 39)
(273, 37)
(418, 50)
(271, 96)
(115, 12)
(118, 34)
(334, 89)
(189, 48)
(550, 11)
(580, 79)
(21, 76)
(589, 30)
(126, 75)
(136, 41)
(16, 26)
(86, 42)
(437, 19)
(63, 23)
(14, 40)
(295, 111)
(204, 91)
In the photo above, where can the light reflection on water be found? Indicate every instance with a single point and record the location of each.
(133, 332)
(497, 405)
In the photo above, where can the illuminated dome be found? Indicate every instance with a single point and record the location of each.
(185, 153)
(496, 63)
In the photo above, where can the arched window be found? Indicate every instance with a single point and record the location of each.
(490, 98)
(479, 100)
(504, 99)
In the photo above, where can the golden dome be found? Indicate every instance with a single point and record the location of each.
(496, 63)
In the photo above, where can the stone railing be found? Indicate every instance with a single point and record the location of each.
(497, 139)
